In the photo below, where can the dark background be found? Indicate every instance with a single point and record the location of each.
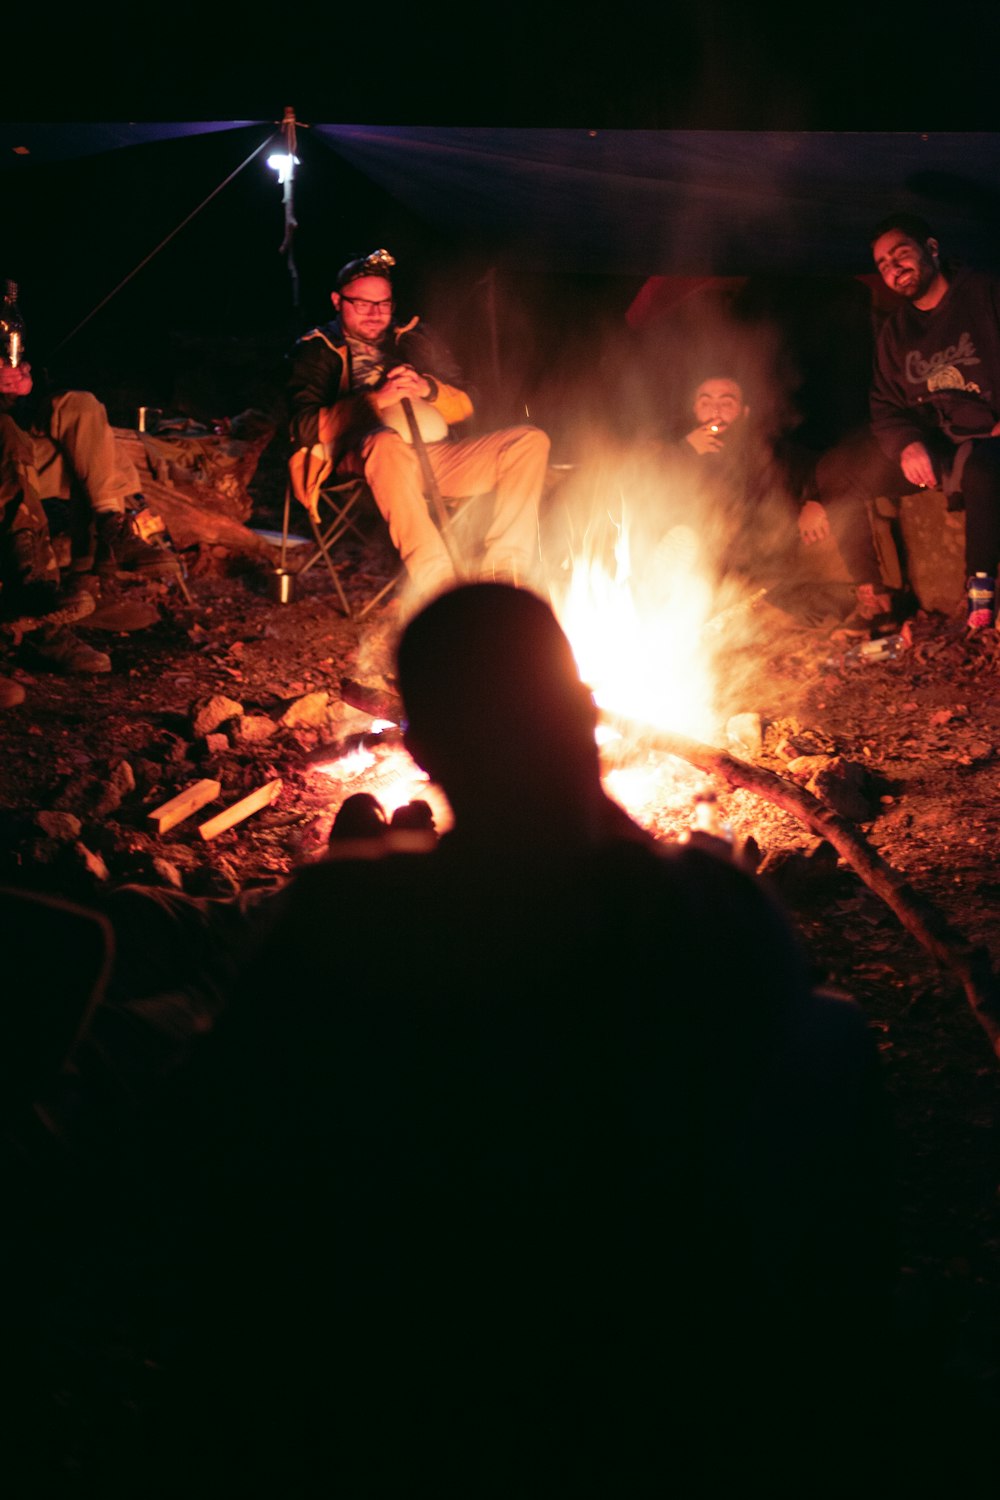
(204, 325)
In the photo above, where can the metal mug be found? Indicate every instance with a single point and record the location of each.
(282, 586)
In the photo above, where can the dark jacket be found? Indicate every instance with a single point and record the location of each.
(937, 373)
(326, 410)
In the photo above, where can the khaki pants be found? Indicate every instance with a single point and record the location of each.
(77, 451)
(26, 554)
(511, 463)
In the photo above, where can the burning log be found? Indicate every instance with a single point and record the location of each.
(947, 946)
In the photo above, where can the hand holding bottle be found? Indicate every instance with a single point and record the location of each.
(11, 328)
(15, 382)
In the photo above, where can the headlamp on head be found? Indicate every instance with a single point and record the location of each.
(378, 263)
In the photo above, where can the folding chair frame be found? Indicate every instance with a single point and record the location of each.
(342, 498)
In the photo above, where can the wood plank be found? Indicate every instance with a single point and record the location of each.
(262, 797)
(184, 804)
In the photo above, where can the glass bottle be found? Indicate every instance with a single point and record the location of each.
(11, 327)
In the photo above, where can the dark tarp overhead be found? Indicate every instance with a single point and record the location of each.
(636, 202)
(684, 202)
(541, 234)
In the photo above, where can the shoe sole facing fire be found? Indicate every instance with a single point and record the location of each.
(76, 607)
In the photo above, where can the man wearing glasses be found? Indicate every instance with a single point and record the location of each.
(348, 380)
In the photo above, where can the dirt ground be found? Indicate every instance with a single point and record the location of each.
(923, 726)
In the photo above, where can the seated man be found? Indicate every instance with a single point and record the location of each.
(935, 396)
(569, 1187)
(347, 381)
(32, 598)
(73, 454)
(748, 474)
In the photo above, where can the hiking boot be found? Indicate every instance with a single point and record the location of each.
(121, 551)
(11, 693)
(59, 648)
(30, 606)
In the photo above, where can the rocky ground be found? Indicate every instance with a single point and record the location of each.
(235, 688)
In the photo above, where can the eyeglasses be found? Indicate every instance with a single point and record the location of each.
(367, 305)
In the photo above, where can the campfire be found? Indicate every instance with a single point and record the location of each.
(650, 656)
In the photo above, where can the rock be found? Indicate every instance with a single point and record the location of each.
(119, 784)
(309, 712)
(253, 729)
(797, 872)
(843, 785)
(208, 713)
(98, 794)
(808, 765)
(344, 719)
(92, 863)
(216, 744)
(745, 735)
(167, 873)
(61, 826)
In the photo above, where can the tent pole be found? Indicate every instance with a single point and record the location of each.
(286, 249)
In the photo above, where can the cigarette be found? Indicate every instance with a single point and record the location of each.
(713, 427)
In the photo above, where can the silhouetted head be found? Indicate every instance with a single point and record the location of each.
(493, 698)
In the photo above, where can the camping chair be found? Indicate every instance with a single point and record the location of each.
(332, 504)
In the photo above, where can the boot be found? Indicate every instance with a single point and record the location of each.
(121, 552)
(32, 605)
(59, 648)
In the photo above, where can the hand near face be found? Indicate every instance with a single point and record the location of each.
(703, 440)
(15, 382)
(814, 523)
(402, 380)
(915, 463)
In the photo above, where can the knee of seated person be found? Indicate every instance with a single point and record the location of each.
(384, 441)
(534, 437)
(78, 404)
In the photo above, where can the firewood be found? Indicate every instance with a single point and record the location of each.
(184, 804)
(262, 797)
(950, 948)
(189, 524)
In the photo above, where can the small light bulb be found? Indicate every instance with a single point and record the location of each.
(282, 164)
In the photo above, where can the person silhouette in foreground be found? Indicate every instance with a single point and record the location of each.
(529, 1164)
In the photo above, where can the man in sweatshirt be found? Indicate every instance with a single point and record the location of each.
(935, 398)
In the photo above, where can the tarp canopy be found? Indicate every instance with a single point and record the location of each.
(502, 233)
(633, 202)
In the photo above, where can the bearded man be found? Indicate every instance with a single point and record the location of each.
(935, 398)
(348, 380)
